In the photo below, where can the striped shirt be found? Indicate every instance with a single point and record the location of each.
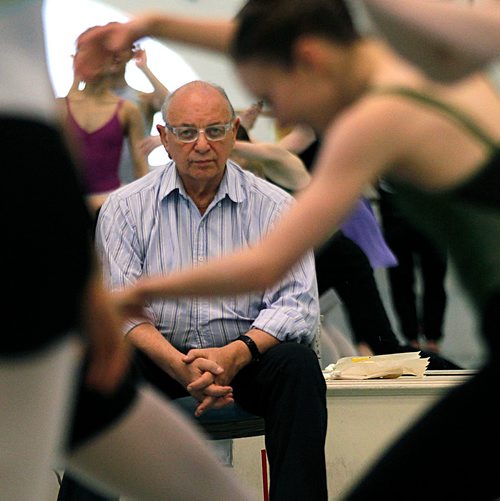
(151, 227)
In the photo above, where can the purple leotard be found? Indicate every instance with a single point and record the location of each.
(363, 228)
(100, 152)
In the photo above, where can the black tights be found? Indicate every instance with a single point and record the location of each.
(342, 265)
(415, 252)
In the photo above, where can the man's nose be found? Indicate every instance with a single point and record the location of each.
(201, 142)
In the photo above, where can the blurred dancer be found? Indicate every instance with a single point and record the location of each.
(70, 336)
(380, 116)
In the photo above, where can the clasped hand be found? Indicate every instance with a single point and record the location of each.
(200, 377)
(212, 385)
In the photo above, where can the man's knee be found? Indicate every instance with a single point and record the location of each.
(296, 358)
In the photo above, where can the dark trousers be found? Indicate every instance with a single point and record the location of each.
(416, 253)
(288, 389)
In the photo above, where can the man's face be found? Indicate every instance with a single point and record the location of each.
(202, 160)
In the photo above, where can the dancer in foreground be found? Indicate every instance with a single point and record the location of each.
(60, 315)
(378, 115)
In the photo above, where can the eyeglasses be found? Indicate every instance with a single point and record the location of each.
(191, 134)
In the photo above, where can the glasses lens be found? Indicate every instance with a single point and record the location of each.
(215, 132)
(186, 134)
(191, 134)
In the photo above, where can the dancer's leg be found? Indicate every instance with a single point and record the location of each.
(344, 266)
(154, 453)
(35, 392)
(433, 264)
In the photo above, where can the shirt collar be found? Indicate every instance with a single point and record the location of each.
(230, 186)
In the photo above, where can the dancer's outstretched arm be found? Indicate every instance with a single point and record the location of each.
(101, 43)
(280, 166)
(345, 166)
(448, 41)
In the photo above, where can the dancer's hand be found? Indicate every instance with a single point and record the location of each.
(129, 302)
(97, 47)
(140, 58)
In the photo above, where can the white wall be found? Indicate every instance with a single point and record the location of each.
(209, 65)
(73, 17)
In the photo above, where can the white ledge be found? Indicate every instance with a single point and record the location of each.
(431, 382)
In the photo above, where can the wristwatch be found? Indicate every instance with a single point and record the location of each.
(254, 351)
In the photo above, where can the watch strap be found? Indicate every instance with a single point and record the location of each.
(254, 351)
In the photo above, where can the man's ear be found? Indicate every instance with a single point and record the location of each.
(236, 126)
(162, 131)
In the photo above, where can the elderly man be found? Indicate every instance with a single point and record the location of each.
(198, 207)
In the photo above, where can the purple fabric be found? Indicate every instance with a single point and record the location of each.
(363, 228)
(100, 152)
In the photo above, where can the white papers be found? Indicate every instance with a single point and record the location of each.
(378, 366)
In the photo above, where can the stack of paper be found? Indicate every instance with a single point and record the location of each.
(378, 366)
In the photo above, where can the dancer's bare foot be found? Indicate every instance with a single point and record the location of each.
(432, 346)
(364, 350)
(415, 344)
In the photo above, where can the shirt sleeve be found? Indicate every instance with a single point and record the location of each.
(291, 308)
(119, 251)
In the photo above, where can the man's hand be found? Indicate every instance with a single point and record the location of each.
(231, 358)
(140, 59)
(199, 377)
